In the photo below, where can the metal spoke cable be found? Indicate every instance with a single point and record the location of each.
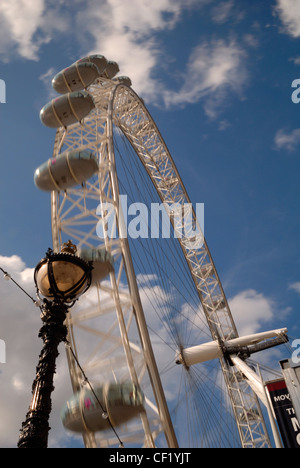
(86, 380)
(147, 183)
(173, 276)
(7, 276)
(169, 272)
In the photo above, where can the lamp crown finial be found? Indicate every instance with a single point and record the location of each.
(69, 247)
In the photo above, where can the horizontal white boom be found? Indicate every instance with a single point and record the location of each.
(212, 350)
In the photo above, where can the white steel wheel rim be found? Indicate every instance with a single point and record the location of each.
(118, 104)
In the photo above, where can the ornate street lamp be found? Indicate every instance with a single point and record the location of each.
(61, 278)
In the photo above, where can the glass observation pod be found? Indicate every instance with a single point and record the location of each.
(119, 403)
(66, 170)
(124, 80)
(101, 260)
(76, 77)
(98, 60)
(67, 109)
(111, 70)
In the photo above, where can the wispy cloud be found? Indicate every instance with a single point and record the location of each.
(46, 79)
(251, 310)
(289, 13)
(25, 26)
(212, 71)
(295, 287)
(287, 140)
(19, 21)
(222, 11)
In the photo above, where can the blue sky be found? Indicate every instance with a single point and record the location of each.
(217, 78)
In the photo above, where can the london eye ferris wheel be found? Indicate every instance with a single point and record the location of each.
(155, 334)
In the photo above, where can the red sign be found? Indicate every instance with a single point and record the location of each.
(285, 414)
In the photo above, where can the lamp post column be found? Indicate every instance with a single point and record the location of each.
(35, 429)
(61, 278)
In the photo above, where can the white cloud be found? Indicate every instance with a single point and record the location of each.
(288, 141)
(295, 60)
(18, 319)
(20, 19)
(19, 326)
(26, 25)
(46, 79)
(212, 70)
(289, 13)
(222, 11)
(251, 310)
(295, 287)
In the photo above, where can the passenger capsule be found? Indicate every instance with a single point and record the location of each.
(97, 60)
(67, 109)
(124, 80)
(111, 70)
(102, 262)
(66, 170)
(119, 403)
(74, 78)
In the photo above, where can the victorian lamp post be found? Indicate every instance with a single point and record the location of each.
(61, 278)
